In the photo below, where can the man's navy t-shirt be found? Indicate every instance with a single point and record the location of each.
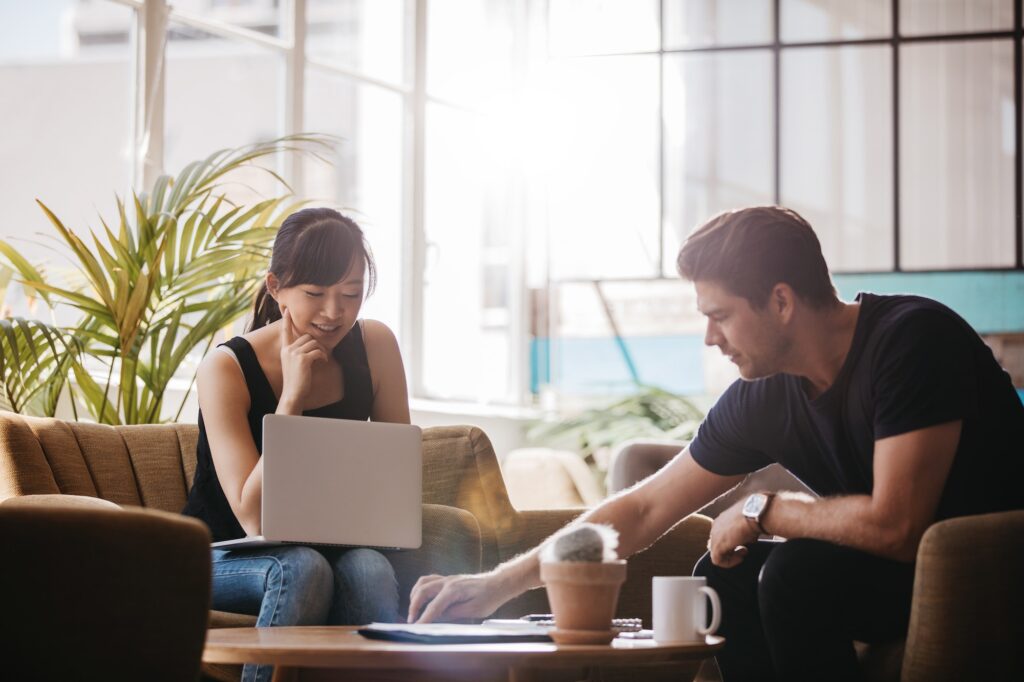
(913, 363)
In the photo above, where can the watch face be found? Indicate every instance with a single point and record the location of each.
(754, 504)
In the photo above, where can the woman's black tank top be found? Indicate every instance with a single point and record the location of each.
(206, 500)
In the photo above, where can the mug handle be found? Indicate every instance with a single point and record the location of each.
(716, 611)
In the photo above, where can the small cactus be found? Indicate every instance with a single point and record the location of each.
(590, 542)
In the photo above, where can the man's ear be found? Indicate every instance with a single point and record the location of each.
(782, 301)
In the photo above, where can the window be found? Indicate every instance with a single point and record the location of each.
(804, 21)
(718, 131)
(66, 72)
(957, 155)
(521, 165)
(242, 105)
(892, 125)
(836, 161)
(804, 114)
(602, 168)
(472, 343)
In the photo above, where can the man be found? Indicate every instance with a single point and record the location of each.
(890, 408)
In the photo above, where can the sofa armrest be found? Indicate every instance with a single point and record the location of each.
(965, 621)
(530, 528)
(135, 600)
(675, 553)
(526, 530)
(451, 544)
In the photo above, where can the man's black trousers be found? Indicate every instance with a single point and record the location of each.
(792, 610)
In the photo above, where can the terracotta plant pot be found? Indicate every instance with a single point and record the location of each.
(583, 598)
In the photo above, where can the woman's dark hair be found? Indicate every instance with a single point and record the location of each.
(313, 246)
(750, 250)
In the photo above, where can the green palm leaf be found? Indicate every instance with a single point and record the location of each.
(31, 357)
(181, 264)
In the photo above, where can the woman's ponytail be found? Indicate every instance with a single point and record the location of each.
(264, 309)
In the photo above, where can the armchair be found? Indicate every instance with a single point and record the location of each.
(460, 469)
(968, 597)
(97, 592)
(966, 619)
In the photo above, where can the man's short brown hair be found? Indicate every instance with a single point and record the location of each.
(750, 250)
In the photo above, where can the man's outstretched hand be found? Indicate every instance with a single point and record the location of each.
(454, 597)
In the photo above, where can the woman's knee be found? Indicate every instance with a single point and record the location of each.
(306, 572)
(367, 589)
(297, 587)
(364, 567)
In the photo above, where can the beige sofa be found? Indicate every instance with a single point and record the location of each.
(152, 467)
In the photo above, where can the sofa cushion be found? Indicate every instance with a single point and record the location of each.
(227, 619)
(65, 501)
(24, 469)
(157, 462)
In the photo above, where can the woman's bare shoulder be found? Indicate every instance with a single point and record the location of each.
(391, 395)
(376, 332)
(264, 339)
(220, 365)
(220, 382)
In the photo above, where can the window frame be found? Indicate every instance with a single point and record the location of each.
(895, 41)
(152, 21)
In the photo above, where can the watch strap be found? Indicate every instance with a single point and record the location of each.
(764, 510)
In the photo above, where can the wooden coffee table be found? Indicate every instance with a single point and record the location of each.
(335, 653)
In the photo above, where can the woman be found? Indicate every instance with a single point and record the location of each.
(305, 353)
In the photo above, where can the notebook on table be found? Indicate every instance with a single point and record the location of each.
(339, 482)
(454, 633)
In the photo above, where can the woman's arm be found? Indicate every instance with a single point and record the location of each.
(390, 393)
(224, 401)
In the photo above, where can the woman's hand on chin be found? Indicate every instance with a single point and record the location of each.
(299, 354)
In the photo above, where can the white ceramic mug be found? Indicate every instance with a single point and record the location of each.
(680, 609)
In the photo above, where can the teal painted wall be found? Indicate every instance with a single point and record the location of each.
(991, 302)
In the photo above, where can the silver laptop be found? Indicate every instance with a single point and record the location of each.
(339, 482)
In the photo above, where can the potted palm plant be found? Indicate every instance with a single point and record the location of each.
(178, 264)
(649, 412)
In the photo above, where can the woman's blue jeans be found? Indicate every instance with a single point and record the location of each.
(296, 585)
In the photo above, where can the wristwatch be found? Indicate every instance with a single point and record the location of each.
(755, 507)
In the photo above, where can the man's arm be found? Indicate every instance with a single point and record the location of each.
(910, 472)
(640, 514)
